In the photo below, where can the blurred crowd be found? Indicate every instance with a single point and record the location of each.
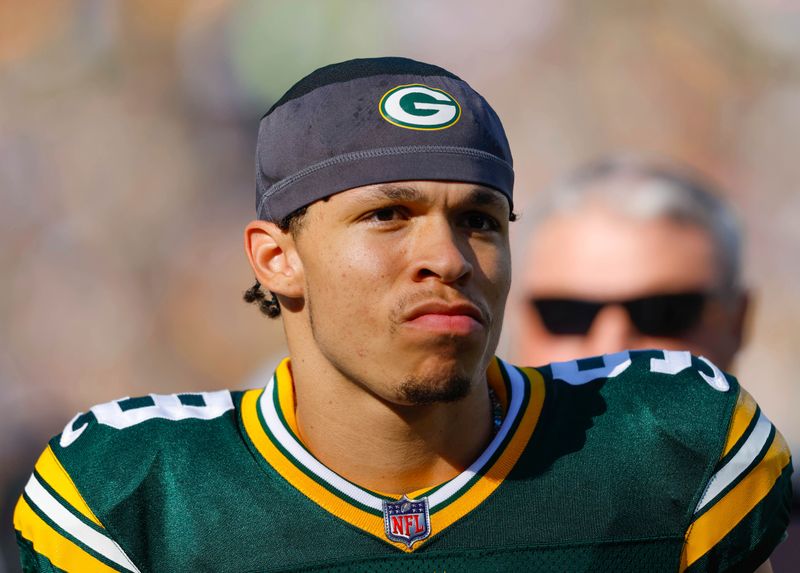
(126, 166)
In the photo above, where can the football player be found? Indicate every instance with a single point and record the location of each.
(392, 439)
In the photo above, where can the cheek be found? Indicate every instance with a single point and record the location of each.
(346, 280)
(364, 269)
(494, 270)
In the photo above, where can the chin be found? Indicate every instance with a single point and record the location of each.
(420, 390)
(438, 379)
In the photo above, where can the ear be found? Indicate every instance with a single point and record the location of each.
(274, 259)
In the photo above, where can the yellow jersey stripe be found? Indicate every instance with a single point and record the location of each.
(320, 495)
(490, 481)
(738, 465)
(62, 552)
(713, 525)
(95, 538)
(287, 406)
(494, 377)
(286, 399)
(743, 414)
(52, 472)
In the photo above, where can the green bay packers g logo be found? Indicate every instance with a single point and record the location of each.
(416, 106)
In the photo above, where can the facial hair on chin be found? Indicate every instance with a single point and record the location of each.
(418, 391)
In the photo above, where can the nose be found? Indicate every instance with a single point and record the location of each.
(439, 252)
(611, 331)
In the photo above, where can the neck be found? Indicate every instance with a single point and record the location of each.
(384, 446)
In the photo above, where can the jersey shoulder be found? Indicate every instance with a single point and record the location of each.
(119, 455)
(147, 421)
(650, 370)
(126, 440)
(661, 416)
(702, 448)
(673, 408)
(671, 387)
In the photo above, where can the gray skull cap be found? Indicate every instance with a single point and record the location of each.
(376, 120)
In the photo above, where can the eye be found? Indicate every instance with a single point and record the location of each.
(386, 215)
(479, 221)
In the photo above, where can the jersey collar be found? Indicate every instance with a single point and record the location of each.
(269, 422)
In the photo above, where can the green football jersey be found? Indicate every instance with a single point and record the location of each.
(640, 460)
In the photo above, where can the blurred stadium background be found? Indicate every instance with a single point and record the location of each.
(127, 134)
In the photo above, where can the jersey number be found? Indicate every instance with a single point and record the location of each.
(128, 412)
(577, 372)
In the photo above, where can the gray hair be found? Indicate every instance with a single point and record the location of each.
(645, 189)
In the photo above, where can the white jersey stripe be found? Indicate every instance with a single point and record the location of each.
(514, 403)
(93, 539)
(736, 466)
(298, 451)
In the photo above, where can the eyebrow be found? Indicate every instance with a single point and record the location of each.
(397, 192)
(489, 197)
(477, 195)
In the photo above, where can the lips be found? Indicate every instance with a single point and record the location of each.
(446, 318)
(446, 309)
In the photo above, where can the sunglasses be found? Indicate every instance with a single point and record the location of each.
(655, 315)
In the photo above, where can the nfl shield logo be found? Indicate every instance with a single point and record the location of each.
(407, 520)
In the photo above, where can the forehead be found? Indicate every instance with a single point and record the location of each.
(597, 253)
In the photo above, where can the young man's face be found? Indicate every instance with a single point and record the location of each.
(405, 285)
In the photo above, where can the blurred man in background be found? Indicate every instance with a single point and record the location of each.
(630, 254)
